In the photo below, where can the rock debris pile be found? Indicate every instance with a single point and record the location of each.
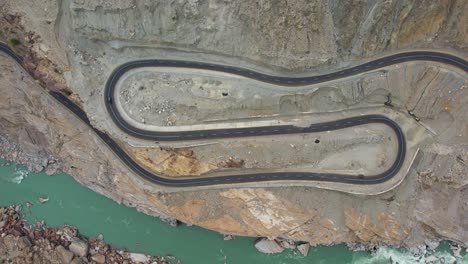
(22, 243)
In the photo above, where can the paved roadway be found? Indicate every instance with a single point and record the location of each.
(257, 131)
(278, 80)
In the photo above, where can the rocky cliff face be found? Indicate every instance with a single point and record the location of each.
(288, 34)
(79, 42)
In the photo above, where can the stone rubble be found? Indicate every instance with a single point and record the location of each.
(431, 259)
(356, 246)
(98, 258)
(171, 221)
(139, 258)
(286, 243)
(228, 237)
(22, 243)
(278, 245)
(66, 255)
(431, 244)
(456, 249)
(427, 251)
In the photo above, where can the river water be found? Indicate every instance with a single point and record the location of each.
(93, 214)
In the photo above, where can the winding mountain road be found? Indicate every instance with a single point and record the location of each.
(255, 131)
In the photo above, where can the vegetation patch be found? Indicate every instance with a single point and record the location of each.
(14, 42)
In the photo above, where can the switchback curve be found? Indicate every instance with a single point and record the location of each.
(257, 177)
(277, 80)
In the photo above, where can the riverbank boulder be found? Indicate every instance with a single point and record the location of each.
(79, 247)
(304, 249)
(66, 255)
(267, 246)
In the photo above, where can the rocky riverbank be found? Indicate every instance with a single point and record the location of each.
(22, 243)
(425, 253)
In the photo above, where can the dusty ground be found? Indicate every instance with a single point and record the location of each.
(79, 42)
(167, 97)
(367, 150)
(152, 97)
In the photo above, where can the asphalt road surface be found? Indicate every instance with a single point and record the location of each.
(256, 131)
(278, 80)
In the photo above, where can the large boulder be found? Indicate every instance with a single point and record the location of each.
(267, 246)
(304, 249)
(79, 247)
(66, 255)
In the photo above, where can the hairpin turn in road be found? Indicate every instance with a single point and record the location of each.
(254, 131)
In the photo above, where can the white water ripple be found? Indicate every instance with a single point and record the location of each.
(19, 176)
(391, 255)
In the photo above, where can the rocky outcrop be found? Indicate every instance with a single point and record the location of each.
(289, 34)
(387, 230)
(41, 146)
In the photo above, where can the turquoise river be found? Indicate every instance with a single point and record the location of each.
(93, 214)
